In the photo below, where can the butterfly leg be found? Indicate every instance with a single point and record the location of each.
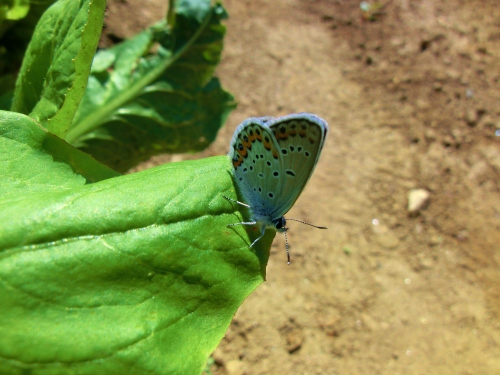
(262, 231)
(243, 223)
(235, 201)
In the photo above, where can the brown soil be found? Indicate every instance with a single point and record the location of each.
(412, 101)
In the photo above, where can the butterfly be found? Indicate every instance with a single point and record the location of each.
(272, 159)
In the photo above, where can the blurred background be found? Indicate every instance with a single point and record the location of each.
(411, 92)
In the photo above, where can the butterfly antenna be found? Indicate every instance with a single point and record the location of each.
(287, 248)
(312, 225)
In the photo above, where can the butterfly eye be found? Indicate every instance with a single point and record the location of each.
(280, 223)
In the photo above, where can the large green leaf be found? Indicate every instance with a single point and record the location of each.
(33, 160)
(56, 67)
(140, 103)
(137, 274)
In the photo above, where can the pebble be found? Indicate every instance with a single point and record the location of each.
(388, 240)
(453, 74)
(457, 136)
(492, 155)
(218, 357)
(235, 367)
(369, 322)
(425, 263)
(435, 240)
(471, 117)
(418, 199)
(385, 237)
(294, 341)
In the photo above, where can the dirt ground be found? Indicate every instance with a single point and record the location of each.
(412, 99)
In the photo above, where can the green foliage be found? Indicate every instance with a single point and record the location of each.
(56, 66)
(13, 9)
(34, 160)
(109, 274)
(135, 274)
(124, 109)
(18, 19)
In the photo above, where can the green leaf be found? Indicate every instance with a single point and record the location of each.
(7, 83)
(14, 9)
(33, 160)
(195, 9)
(138, 274)
(57, 63)
(14, 39)
(140, 104)
(139, 132)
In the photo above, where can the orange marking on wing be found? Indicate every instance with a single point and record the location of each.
(243, 153)
(267, 145)
(237, 163)
(246, 144)
(275, 154)
(281, 135)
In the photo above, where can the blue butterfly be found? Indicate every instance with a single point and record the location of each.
(273, 158)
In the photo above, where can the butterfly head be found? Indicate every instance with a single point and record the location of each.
(280, 224)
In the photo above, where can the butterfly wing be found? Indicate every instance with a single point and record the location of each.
(273, 158)
(300, 138)
(257, 167)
